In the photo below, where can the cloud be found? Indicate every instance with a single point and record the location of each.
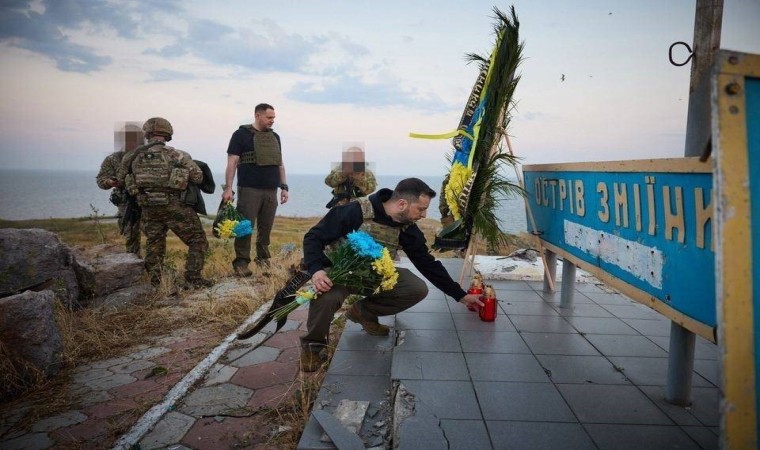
(352, 90)
(170, 75)
(268, 49)
(43, 29)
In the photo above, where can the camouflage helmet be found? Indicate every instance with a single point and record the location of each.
(158, 126)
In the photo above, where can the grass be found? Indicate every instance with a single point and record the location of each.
(94, 334)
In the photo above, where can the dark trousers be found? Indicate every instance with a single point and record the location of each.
(409, 291)
(259, 206)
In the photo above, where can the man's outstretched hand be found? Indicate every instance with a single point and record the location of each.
(471, 300)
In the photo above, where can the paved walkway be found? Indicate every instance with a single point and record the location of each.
(590, 377)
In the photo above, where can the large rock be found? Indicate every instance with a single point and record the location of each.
(32, 257)
(29, 331)
(101, 271)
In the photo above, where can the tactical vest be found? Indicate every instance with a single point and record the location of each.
(266, 149)
(157, 177)
(385, 235)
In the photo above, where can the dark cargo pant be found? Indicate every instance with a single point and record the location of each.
(409, 291)
(260, 207)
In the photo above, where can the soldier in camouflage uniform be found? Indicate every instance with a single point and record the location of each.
(126, 140)
(157, 175)
(351, 179)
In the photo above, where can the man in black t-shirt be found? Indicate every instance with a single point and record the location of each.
(255, 153)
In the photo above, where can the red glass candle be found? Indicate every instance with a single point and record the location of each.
(488, 310)
(475, 291)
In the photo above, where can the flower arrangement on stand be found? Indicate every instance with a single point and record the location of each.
(359, 263)
(230, 224)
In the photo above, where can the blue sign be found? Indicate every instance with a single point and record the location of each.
(646, 224)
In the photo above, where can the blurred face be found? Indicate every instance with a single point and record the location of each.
(264, 120)
(411, 212)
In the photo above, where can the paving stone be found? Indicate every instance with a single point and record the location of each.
(648, 327)
(555, 298)
(581, 369)
(650, 371)
(290, 355)
(352, 387)
(236, 352)
(32, 441)
(169, 430)
(112, 381)
(430, 305)
(611, 404)
(220, 399)
(132, 366)
(601, 325)
(539, 436)
(285, 340)
(704, 409)
(106, 363)
(471, 322)
(522, 401)
(428, 340)
(512, 286)
(94, 397)
(136, 389)
(528, 308)
(349, 362)
(505, 367)
(86, 377)
(90, 432)
(703, 436)
(148, 353)
(359, 340)
(635, 437)
(619, 345)
(558, 344)
(429, 366)
(219, 373)
(109, 409)
(61, 420)
(583, 310)
(708, 369)
(633, 311)
(541, 324)
(420, 432)
(439, 396)
(232, 432)
(272, 396)
(518, 296)
(265, 374)
(260, 355)
(424, 321)
(605, 298)
(466, 434)
(492, 342)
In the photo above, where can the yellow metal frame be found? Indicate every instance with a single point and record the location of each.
(734, 250)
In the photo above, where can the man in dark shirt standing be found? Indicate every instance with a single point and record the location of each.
(389, 217)
(255, 152)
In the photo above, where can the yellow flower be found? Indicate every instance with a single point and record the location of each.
(385, 268)
(458, 178)
(226, 227)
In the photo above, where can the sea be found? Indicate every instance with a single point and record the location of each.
(44, 194)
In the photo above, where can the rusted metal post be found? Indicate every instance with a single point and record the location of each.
(707, 27)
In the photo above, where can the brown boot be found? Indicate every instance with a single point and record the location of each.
(370, 327)
(311, 360)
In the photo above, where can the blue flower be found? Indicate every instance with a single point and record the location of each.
(243, 228)
(364, 244)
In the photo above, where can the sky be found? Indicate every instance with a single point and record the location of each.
(355, 71)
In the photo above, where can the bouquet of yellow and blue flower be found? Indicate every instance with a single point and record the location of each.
(229, 223)
(359, 263)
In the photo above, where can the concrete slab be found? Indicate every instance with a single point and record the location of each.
(539, 436)
(611, 404)
(532, 402)
(617, 437)
(429, 366)
(505, 367)
(492, 342)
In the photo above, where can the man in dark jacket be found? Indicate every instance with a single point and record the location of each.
(389, 217)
